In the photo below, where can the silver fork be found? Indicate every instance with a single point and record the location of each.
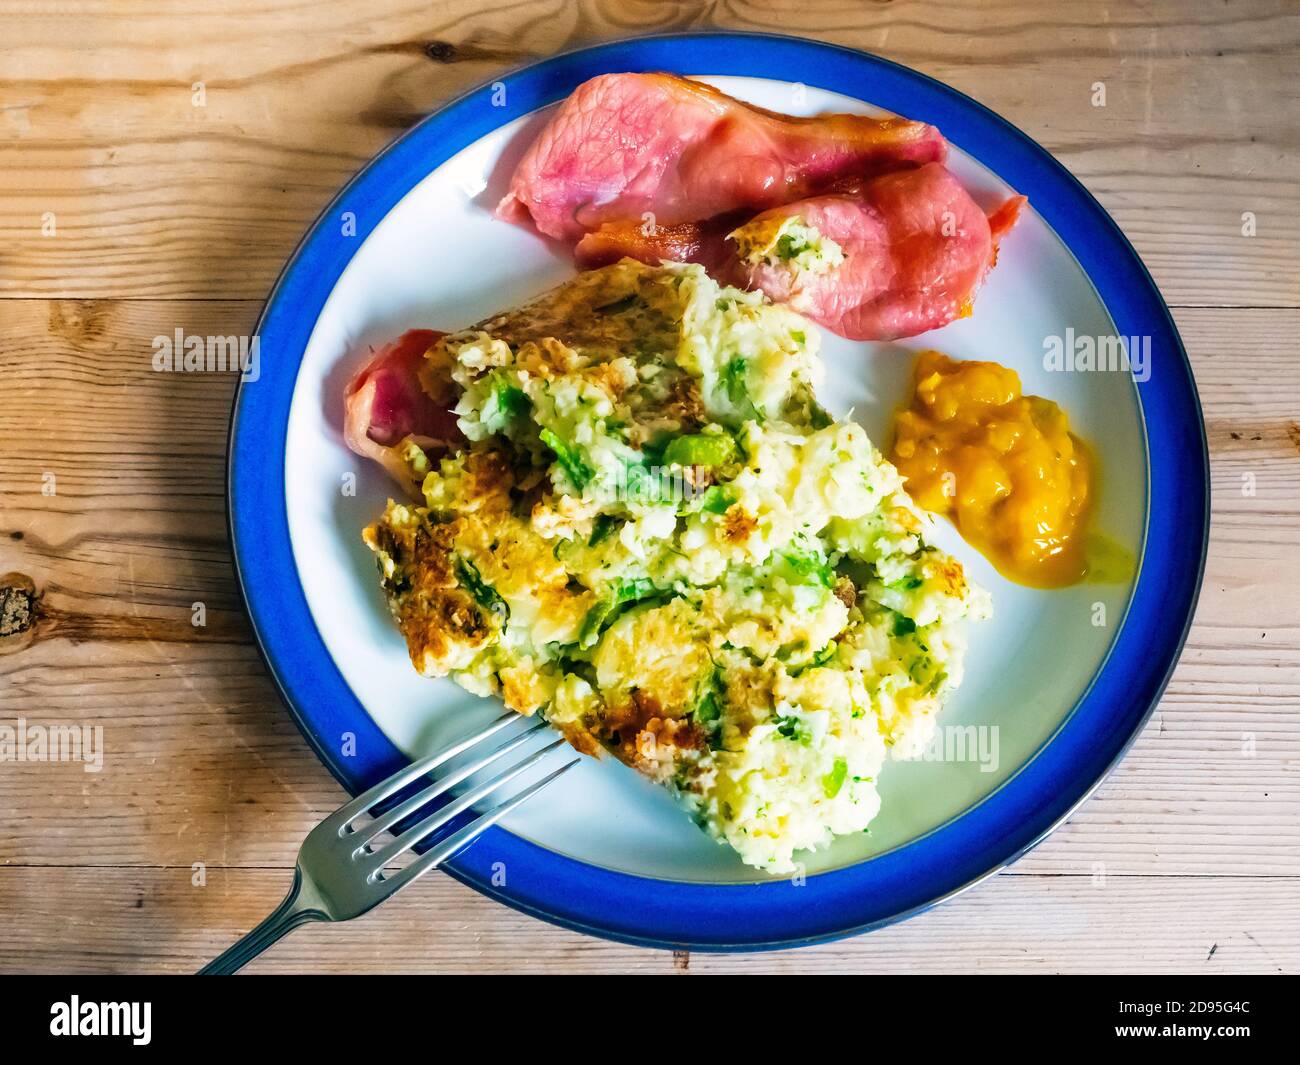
(341, 866)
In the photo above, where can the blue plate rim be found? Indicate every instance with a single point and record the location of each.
(879, 891)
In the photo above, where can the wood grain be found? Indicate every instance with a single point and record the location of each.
(168, 215)
(1033, 924)
(153, 195)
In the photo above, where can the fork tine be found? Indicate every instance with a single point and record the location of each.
(358, 806)
(404, 809)
(408, 839)
(333, 882)
(435, 856)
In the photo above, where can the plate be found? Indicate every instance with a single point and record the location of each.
(1057, 685)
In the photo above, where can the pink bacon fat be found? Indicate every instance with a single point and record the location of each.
(388, 403)
(664, 149)
(916, 250)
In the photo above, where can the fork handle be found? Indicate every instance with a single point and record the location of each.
(291, 913)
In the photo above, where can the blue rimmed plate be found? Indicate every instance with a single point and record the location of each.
(1057, 685)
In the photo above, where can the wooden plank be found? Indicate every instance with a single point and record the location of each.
(152, 195)
(157, 920)
(205, 765)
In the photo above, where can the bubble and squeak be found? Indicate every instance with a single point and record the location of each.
(639, 523)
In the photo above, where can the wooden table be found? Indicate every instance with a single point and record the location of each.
(158, 163)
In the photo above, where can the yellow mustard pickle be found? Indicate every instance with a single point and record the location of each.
(1003, 466)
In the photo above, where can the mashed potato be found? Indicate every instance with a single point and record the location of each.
(659, 541)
